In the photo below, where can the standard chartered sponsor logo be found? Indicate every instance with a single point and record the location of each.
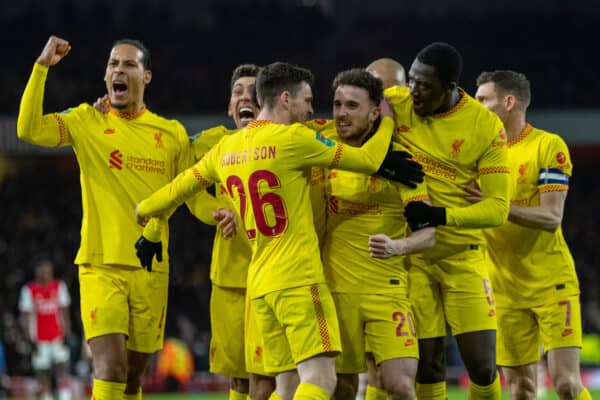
(117, 160)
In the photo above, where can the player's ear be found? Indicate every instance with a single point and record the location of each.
(374, 114)
(147, 76)
(284, 99)
(510, 102)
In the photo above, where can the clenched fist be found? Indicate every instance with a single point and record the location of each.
(54, 51)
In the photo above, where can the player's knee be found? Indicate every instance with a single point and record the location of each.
(111, 371)
(322, 377)
(240, 385)
(432, 370)
(522, 387)
(484, 375)
(567, 386)
(399, 387)
(346, 387)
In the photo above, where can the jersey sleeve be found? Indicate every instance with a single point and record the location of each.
(202, 142)
(494, 184)
(25, 300)
(312, 148)
(556, 166)
(48, 130)
(64, 300)
(183, 187)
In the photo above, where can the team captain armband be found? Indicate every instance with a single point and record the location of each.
(553, 179)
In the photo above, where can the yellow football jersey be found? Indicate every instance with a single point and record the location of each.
(455, 148)
(266, 168)
(530, 264)
(230, 257)
(122, 160)
(359, 206)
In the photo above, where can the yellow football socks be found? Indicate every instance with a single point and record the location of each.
(374, 393)
(275, 396)
(432, 391)
(490, 392)
(584, 395)
(308, 391)
(106, 390)
(137, 396)
(233, 395)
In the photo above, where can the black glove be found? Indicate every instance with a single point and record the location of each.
(146, 250)
(398, 166)
(420, 215)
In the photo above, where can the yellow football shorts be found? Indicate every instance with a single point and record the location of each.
(127, 300)
(296, 324)
(456, 290)
(227, 311)
(383, 324)
(521, 331)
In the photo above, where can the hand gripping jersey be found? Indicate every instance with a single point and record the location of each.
(456, 148)
(231, 256)
(266, 168)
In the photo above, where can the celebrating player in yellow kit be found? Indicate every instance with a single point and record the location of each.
(533, 273)
(371, 294)
(457, 140)
(267, 166)
(123, 156)
(230, 257)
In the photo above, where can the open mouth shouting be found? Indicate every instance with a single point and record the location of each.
(246, 114)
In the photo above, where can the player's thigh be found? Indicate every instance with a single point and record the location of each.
(104, 294)
(253, 343)
(467, 292)
(148, 308)
(426, 299)
(517, 337)
(310, 320)
(560, 322)
(274, 350)
(390, 328)
(352, 359)
(227, 310)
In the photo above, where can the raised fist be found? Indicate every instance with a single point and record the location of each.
(54, 51)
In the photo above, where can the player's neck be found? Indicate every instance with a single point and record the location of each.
(271, 114)
(514, 125)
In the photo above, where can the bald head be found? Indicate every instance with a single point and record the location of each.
(391, 72)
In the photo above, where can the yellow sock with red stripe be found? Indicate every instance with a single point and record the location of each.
(374, 393)
(584, 395)
(106, 390)
(308, 391)
(432, 391)
(490, 392)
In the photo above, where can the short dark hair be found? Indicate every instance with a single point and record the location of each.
(446, 60)
(242, 71)
(278, 77)
(361, 78)
(506, 81)
(146, 61)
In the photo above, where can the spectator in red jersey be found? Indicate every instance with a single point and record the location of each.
(44, 306)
